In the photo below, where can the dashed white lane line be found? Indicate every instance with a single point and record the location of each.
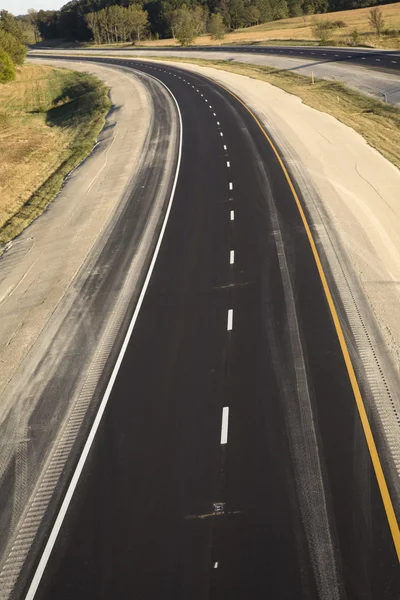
(230, 185)
(221, 134)
(216, 565)
(228, 164)
(225, 148)
(218, 123)
(232, 257)
(224, 425)
(214, 114)
(363, 58)
(232, 215)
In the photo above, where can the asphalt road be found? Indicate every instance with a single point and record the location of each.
(388, 60)
(230, 461)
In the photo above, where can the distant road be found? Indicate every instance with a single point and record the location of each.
(378, 59)
(373, 72)
(230, 461)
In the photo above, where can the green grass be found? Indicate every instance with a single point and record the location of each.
(49, 121)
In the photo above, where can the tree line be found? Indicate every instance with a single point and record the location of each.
(130, 20)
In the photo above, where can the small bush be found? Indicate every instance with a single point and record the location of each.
(355, 38)
(339, 24)
(7, 69)
(392, 32)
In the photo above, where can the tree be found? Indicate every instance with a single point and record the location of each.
(94, 25)
(237, 12)
(7, 69)
(184, 24)
(252, 15)
(376, 19)
(216, 27)
(295, 8)
(279, 9)
(9, 24)
(137, 20)
(13, 48)
(32, 14)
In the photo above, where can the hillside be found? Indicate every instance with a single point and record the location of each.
(298, 30)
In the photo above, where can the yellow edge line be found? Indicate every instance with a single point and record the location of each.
(387, 501)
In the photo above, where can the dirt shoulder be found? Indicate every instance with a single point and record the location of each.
(40, 264)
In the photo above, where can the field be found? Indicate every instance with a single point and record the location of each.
(49, 121)
(298, 30)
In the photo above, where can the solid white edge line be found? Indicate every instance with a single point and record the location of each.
(81, 463)
(232, 257)
(229, 323)
(224, 425)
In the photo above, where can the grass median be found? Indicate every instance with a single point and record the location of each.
(49, 121)
(376, 121)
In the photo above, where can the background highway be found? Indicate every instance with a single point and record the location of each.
(373, 72)
(230, 460)
(377, 59)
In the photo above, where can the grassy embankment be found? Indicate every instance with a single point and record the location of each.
(49, 121)
(377, 122)
(298, 30)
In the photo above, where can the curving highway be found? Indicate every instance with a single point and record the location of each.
(230, 460)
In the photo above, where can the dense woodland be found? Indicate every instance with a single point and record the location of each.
(130, 20)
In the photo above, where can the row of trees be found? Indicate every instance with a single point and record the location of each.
(118, 24)
(112, 20)
(12, 46)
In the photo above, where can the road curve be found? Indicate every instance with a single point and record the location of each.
(375, 73)
(230, 460)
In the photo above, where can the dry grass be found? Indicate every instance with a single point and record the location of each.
(377, 122)
(298, 29)
(49, 120)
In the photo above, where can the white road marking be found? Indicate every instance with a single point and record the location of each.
(378, 60)
(201, 95)
(218, 123)
(232, 257)
(216, 565)
(224, 425)
(362, 58)
(394, 61)
(88, 444)
(228, 164)
(225, 148)
(221, 134)
(230, 185)
(232, 215)
(214, 114)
